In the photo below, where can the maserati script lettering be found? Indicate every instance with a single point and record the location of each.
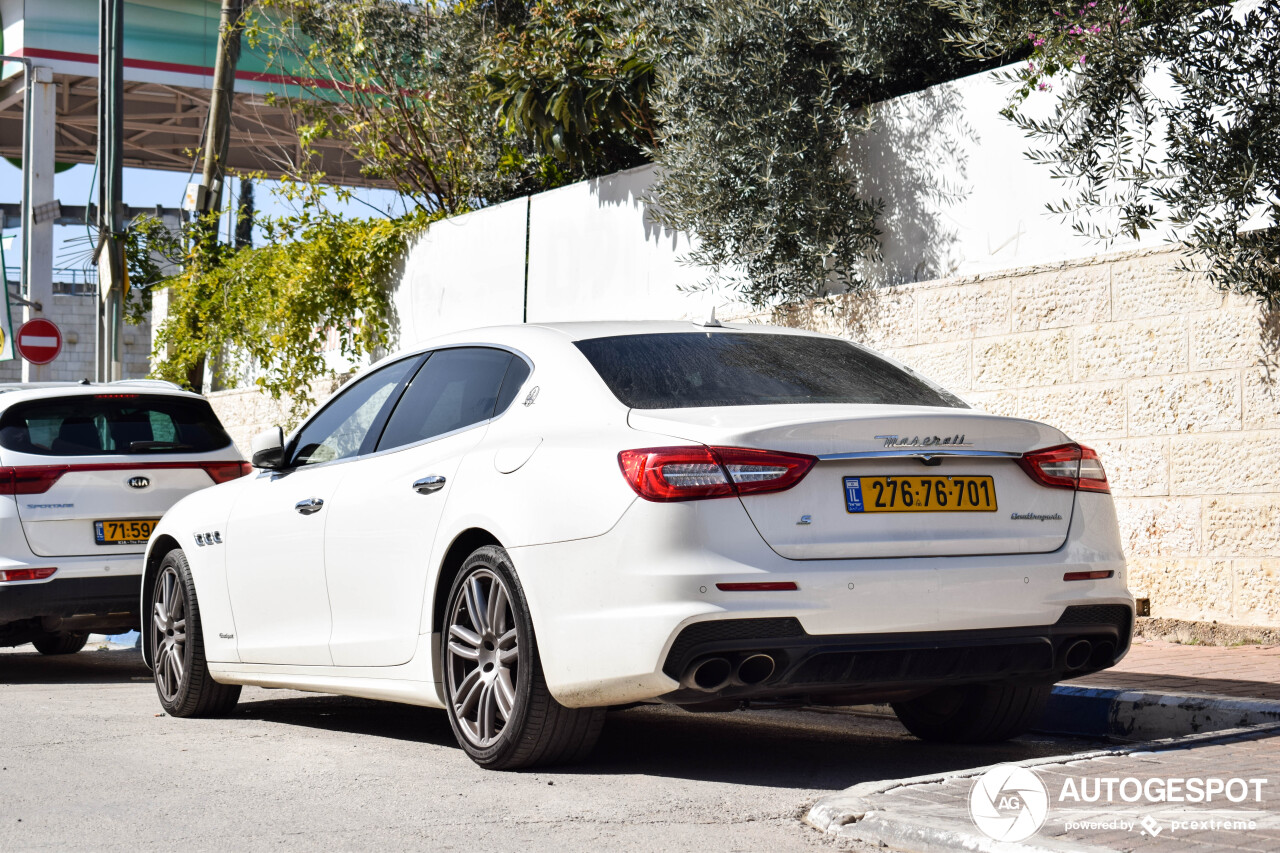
(926, 441)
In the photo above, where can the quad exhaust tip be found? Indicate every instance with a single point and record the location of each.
(1077, 654)
(755, 669)
(713, 674)
(709, 674)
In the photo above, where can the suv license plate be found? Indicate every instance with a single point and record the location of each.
(131, 531)
(919, 494)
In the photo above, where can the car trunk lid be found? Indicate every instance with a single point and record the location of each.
(77, 508)
(923, 464)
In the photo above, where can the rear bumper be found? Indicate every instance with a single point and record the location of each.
(845, 669)
(68, 604)
(610, 610)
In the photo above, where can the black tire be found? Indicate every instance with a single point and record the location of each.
(537, 730)
(60, 642)
(974, 713)
(175, 643)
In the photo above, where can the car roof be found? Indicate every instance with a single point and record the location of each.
(15, 392)
(515, 334)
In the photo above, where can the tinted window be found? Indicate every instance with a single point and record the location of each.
(87, 425)
(677, 371)
(454, 389)
(340, 428)
(517, 373)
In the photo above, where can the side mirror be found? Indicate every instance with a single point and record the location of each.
(268, 449)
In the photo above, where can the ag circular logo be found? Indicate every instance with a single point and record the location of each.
(1009, 803)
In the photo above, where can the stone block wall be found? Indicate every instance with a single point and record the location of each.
(1176, 385)
(245, 412)
(77, 316)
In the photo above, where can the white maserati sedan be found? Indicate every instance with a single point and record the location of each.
(528, 525)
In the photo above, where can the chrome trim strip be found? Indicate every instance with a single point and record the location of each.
(920, 453)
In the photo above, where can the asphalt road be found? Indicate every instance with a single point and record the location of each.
(89, 762)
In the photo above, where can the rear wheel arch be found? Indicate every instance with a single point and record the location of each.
(462, 547)
(155, 556)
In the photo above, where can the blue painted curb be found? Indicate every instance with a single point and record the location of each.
(1081, 711)
(1099, 712)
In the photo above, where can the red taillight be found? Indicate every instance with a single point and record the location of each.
(695, 472)
(30, 479)
(1067, 466)
(1087, 576)
(759, 586)
(224, 472)
(38, 479)
(26, 574)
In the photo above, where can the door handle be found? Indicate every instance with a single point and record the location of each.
(309, 506)
(428, 485)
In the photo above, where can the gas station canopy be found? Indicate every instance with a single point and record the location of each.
(169, 50)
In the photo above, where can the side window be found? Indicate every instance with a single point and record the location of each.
(339, 430)
(517, 373)
(454, 389)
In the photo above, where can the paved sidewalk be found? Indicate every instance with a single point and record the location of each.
(1085, 811)
(1154, 666)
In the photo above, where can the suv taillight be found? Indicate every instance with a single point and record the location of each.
(1067, 466)
(8, 575)
(225, 472)
(696, 472)
(30, 479)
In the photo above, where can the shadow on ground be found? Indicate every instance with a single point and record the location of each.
(24, 665)
(777, 749)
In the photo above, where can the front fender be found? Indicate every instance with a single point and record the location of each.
(200, 514)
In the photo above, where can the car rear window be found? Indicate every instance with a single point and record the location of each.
(92, 425)
(697, 369)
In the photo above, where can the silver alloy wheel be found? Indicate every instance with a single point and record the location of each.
(483, 658)
(169, 633)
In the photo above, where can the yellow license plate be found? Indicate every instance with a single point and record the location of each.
(131, 531)
(920, 494)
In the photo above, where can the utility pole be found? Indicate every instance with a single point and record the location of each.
(110, 250)
(218, 139)
(217, 143)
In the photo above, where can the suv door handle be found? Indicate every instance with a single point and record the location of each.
(309, 506)
(428, 485)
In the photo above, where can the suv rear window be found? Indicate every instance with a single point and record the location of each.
(697, 369)
(93, 425)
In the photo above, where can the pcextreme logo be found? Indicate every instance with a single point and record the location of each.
(1009, 803)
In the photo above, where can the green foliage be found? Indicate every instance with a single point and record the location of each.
(401, 85)
(265, 312)
(575, 78)
(148, 248)
(460, 104)
(1166, 116)
(758, 102)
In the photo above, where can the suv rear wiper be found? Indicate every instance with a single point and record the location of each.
(135, 446)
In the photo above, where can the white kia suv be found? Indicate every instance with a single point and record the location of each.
(528, 525)
(86, 471)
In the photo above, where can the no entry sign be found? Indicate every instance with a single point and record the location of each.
(39, 341)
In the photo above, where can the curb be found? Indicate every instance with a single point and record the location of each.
(1129, 715)
(852, 814)
(1135, 715)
